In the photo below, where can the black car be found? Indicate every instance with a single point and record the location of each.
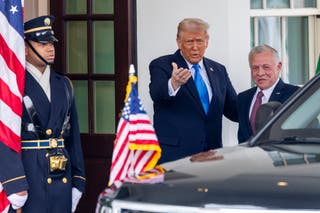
(277, 170)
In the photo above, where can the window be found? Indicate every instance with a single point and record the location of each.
(90, 57)
(306, 115)
(291, 27)
(95, 59)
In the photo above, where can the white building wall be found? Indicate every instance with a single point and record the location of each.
(35, 8)
(229, 42)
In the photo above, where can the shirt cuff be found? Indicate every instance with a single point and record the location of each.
(171, 90)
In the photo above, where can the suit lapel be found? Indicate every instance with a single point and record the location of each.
(276, 93)
(212, 75)
(247, 105)
(38, 97)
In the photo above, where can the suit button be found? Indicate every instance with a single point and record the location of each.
(64, 180)
(49, 180)
(47, 155)
(48, 131)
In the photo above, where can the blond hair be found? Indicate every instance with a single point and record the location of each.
(192, 25)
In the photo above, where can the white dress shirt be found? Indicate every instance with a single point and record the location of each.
(42, 78)
(266, 95)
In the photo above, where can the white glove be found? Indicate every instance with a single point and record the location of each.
(17, 201)
(76, 195)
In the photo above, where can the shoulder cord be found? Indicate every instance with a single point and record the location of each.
(66, 124)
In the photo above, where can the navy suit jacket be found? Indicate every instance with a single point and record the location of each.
(180, 122)
(280, 93)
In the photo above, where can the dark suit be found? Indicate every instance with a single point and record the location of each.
(51, 191)
(180, 122)
(280, 93)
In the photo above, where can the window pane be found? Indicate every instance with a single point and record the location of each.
(256, 4)
(304, 3)
(104, 107)
(252, 32)
(270, 32)
(103, 47)
(76, 47)
(298, 50)
(102, 6)
(306, 115)
(278, 3)
(76, 6)
(81, 97)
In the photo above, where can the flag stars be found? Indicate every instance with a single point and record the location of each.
(126, 110)
(141, 108)
(13, 9)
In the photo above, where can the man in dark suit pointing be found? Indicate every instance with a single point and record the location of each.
(190, 94)
(265, 68)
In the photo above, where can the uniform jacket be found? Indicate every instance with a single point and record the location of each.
(180, 122)
(280, 93)
(12, 175)
(51, 192)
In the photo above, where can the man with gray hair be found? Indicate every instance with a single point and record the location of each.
(265, 66)
(190, 94)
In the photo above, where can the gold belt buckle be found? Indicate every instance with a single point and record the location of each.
(53, 142)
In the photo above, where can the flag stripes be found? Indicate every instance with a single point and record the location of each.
(136, 147)
(12, 74)
(12, 66)
(4, 202)
(10, 126)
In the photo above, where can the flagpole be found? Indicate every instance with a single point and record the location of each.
(131, 172)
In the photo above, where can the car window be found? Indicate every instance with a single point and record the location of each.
(306, 115)
(299, 117)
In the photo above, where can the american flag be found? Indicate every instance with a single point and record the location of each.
(136, 149)
(12, 73)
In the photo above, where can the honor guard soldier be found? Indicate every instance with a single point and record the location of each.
(51, 148)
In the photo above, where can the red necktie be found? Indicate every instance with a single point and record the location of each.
(255, 107)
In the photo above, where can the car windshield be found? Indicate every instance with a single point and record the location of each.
(297, 119)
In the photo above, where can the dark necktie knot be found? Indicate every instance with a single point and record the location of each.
(196, 67)
(260, 95)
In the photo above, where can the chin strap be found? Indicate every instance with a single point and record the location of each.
(35, 51)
